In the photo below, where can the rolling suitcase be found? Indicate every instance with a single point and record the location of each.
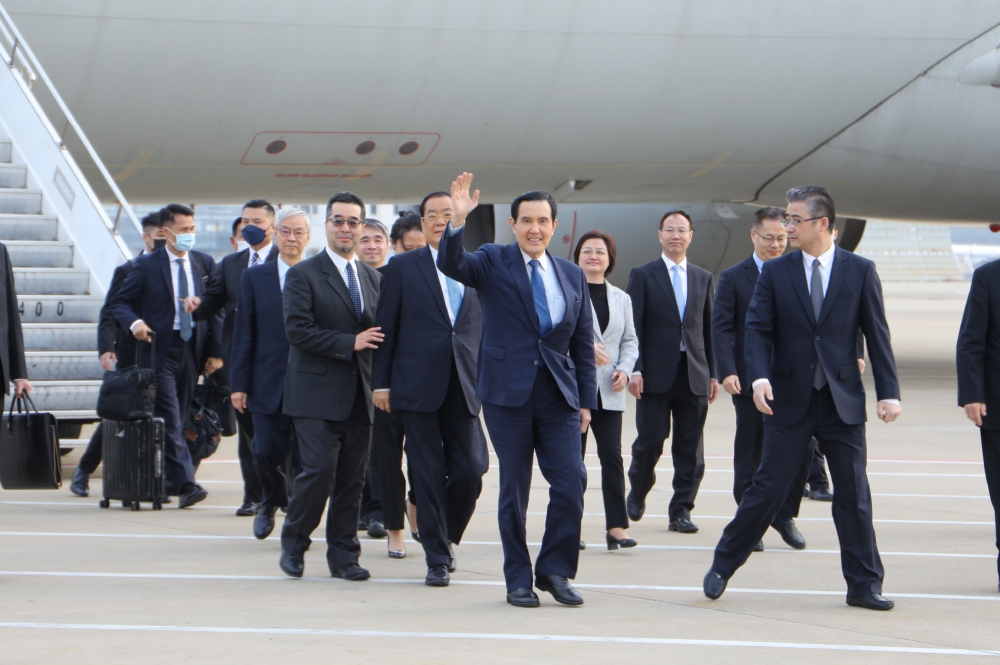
(133, 462)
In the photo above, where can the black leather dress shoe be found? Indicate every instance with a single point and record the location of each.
(248, 509)
(191, 494)
(263, 522)
(759, 547)
(583, 545)
(291, 564)
(634, 507)
(789, 532)
(80, 485)
(523, 597)
(872, 601)
(352, 572)
(363, 522)
(714, 585)
(377, 530)
(437, 575)
(683, 525)
(821, 494)
(451, 566)
(560, 589)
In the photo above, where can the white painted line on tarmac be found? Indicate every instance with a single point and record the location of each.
(494, 637)
(813, 519)
(454, 582)
(882, 494)
(870, 473)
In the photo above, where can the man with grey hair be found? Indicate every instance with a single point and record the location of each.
(801, 331)
(260, 357)
(373, 250)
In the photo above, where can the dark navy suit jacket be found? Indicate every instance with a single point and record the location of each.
(780, 317)
(111, 337)
(729, 315)
(260, 347)
(512, 345)
(148, 294)
(978, 350)
(414, 359)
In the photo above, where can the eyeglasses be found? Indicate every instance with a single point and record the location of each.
(590, 250)
(433, 217)
(769, 238)
(298, 233)
(338, 222)
(681, 230)
(795, 221)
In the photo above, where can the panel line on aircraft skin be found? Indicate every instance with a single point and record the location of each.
(867, 113)
(490, 583)
(517, 637)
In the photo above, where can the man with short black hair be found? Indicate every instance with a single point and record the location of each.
(374, 246)
(801, 354)
(330, 304)
(406, 234)
(115, 348)
(675, 375)
(257, 230)
(158, 297)
(236, 240)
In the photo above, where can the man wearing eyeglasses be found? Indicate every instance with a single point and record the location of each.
(330, 302)
(675, 376)
(801, 333)
(259, 361)
(732, 297)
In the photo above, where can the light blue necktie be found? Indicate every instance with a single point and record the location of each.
(680, 296)
(541, 304)
(455, 296)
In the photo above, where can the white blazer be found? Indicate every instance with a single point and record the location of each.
(620, 343)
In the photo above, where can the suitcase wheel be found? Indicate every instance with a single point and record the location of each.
(135, 505)
(157, 505)
(104, 503)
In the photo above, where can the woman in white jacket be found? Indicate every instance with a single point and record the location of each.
(617, 349)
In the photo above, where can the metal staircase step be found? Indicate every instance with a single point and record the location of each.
(59, 309)
(66, 399)
(14, 176)
(5, 151)
(23, 201)
(63, 365)
(60, 336)
(40, 254)
(28, 227)
(52, 281)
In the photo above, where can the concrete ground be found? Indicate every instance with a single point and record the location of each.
(84, 585)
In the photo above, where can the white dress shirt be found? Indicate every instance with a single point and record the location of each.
(682, 273)
(825, 267)
(553, 292)
(341, 264)
(282, 271)
(443, 281)
(759, 261)
(261, 254)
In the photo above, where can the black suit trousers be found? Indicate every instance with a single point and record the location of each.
(274, 440)
(334, 456)
(817, 471)
(991, 462)
(95, 451)
(785, 448)
(175, 381)
(652, 420)
(448, 456)
(252, 490)
(607, 429)
(747, 450)
(387, 447)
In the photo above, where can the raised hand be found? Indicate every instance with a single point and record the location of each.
(462, 201)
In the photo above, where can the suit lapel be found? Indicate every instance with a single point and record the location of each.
(272, 285)
(199, 284)
(564, 284)
(334, 278)
(273, 254)
(366, 281)
(750, 270)
(165, 269)
(662, 277)
(425, 263)
(837, 273)
(798, 277)
(519, 272)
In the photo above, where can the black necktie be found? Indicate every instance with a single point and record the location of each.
(816, 291)
(352, 286)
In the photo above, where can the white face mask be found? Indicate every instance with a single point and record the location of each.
(241, 245)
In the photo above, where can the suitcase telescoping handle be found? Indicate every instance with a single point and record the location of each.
(151, 336)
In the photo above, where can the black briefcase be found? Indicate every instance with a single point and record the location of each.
(129, 394)
(215, 394)
(29, 448)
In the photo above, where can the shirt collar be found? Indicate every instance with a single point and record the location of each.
(262, 252)
(543, 260)
(281, 263)
(670, 264)
(340, 261)
(434, 254)
(824, 258)
(759, 261)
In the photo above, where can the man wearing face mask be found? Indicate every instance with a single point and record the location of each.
(236, 240)
(257, 232)
(157, 297)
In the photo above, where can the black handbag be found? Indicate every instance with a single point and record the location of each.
(202, 433)
(214, 392)
(29, 448)
(130, 393)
